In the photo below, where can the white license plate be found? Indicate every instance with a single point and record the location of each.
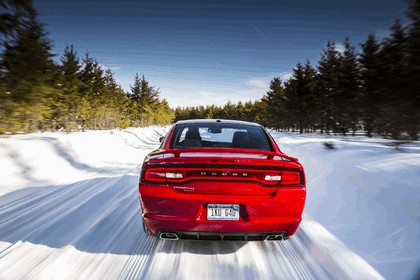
(223, 212)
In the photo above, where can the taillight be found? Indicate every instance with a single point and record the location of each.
(291, 178)
(174, 174)
(162, 175)
(155, 175)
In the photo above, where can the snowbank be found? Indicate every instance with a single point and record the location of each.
(40, 159)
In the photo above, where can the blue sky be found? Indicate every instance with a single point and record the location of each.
(210, 51)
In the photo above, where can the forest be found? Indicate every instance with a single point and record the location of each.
(373, 87)
(38, 94)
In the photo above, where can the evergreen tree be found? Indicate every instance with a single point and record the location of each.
(413, 70)
(69, 84)
(114, 105)
(149, 96)
(295, 94)
(136, 109)
(136, 89)
(273, 105)
(14, 15)
(312, 104)
(300, 93)
(371, 96)
(394, 70)
(27, 74)
(28, 57)
(147, 108)
(328, 78)
(91, 92)
(348, 90)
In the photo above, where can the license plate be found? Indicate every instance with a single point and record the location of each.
(223, 212)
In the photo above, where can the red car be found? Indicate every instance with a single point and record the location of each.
(221, 180)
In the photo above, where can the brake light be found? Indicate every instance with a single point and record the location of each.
(155, 175)
(290, 178)
(161, 175)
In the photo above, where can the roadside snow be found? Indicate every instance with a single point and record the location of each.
(367, 193)
(41, 159)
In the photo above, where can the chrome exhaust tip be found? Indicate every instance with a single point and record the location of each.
(168, 236)
(273, 237)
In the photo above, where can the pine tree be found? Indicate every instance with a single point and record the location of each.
(91, 91)
(136, 89)
(348, 90)
(273, 105)
(146, 103)
(371, 96)
(311, 97)
(116, 102)
(295, 94)
(28, 57)
(149, 95)
(413, 70)
(394, 70)
(27, 72)
(300, 95)
(328, 78)
(69, 84)
(15, 14)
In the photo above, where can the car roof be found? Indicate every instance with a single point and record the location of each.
(215, 121)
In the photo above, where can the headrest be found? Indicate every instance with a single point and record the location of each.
(193, 134)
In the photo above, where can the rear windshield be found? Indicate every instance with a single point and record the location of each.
(221, 135)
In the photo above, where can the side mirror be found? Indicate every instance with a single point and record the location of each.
(161, 139)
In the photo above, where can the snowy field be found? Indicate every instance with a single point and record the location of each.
(69, 209)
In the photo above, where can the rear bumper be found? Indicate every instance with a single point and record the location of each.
(222, 236)
(167, 211)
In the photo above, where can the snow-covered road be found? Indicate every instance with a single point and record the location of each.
(69, 209)
(91, 229)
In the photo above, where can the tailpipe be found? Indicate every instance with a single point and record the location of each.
(168, 236)
(273, 237)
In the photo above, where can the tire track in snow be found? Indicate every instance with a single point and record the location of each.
(108, 210)
(92, 230)
(46, 207)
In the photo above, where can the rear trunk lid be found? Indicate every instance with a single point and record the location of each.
(226, 172)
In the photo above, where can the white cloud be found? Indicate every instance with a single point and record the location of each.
(339, 47)
(177, 98)
(191, 93)
(284, 76)
(261, 83)
(112, 68)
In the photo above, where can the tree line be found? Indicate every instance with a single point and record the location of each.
(37, 93)
(375, 89)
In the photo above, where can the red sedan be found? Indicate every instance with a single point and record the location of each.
(221, 180)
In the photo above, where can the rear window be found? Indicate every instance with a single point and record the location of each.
(221, 135)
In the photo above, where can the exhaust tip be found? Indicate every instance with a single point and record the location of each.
(273, 237)
(168, 236)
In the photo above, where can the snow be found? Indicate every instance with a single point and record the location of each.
(69, 209)
(366, 192)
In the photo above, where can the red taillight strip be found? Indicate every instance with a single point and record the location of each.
(291, 178)
(156, 175)
(182, 174)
